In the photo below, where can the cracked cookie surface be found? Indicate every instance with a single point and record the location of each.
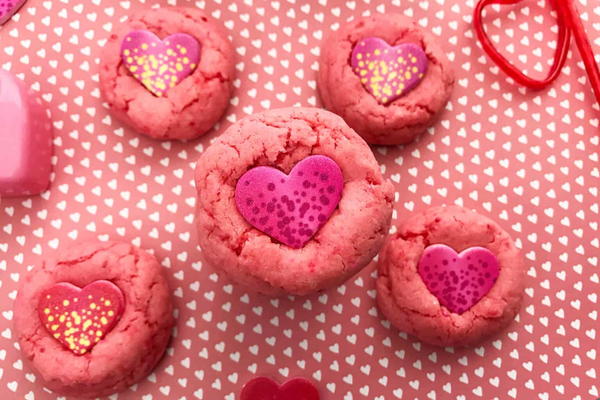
(129, 351)
(280, 139)
(404, 299)
(191, 108)
(342, 92)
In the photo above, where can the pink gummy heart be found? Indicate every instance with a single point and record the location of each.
(388, 72)
(290, 208)
(160, 65)
(265, 389)
(458, 281)
(8, 8)
(25, 139)
(80, 318)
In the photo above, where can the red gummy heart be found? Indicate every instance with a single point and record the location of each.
(458, 281)
(80, 318)
(25, 138)
(266, 389)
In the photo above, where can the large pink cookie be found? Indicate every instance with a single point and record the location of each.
(130, 345)
(25, 139)
(394, 116)
(195, 104)
(424, 288)
(281, 139)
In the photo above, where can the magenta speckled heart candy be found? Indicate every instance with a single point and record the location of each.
(8, 8)
(160, 64)
(458, 281)
(290, 208)
(388, 72)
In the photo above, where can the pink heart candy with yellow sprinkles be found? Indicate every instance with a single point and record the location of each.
(160, 65)
(388, 72)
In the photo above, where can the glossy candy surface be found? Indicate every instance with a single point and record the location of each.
(25, 140)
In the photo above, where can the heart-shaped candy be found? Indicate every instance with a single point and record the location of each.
(388, 72)
(290, 208)
(8, 8)
(160, 64)
(265, 389)
(25, 139)
(80, 318)
(458, 281)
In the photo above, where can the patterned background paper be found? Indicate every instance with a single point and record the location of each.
(528, 159)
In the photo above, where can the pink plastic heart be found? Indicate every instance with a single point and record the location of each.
(8, 8)
(388, 72)
(160, 65)
(458, 281)
(25, 139)
(263, 388)
(290, 208)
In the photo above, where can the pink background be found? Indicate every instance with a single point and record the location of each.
(528, 159)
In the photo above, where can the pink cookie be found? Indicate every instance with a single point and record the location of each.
(386, 77)
(287, 140)
(94, 320)
(149, 103)
(450, 276)
(25, 140)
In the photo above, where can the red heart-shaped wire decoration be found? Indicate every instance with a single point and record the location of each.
(560, 55)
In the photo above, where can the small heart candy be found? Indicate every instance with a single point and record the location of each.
(265, 389)
(160, 65)
(290, 208)
(8, 8)
(458, 281)
(80, 318)
(388, 72)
